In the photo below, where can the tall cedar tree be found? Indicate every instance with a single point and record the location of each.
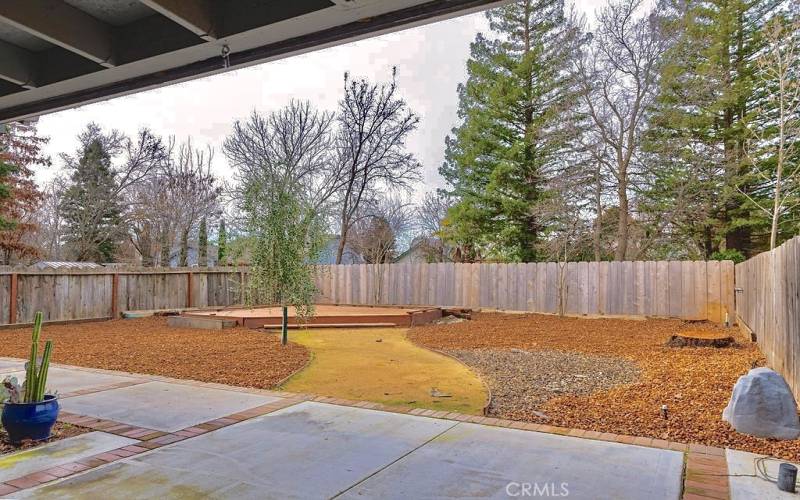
(21, 148)
(512, 107)
(93, 193)
(699, 125)
(202, 244)
(222, 243)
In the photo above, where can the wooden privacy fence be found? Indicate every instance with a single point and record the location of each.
(768, 304)
(68, 295)
(687, 289)
(694, 290)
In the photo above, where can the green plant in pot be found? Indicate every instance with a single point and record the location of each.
(29, 413)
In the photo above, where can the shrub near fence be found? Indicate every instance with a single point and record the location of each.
(680, 289)
(768, 304)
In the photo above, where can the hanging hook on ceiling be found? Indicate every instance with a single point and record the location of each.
(226, 60)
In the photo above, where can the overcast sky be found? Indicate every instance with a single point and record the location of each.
(431, 62)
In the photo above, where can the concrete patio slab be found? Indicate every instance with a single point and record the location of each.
(163, 406)
(741, 464)
(7, 366)
(475, 461)
(58, 453)
(309, 450)
(66, 380)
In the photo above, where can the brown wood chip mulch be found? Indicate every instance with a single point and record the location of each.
(694, 382)
(60, 431)
(236, 356)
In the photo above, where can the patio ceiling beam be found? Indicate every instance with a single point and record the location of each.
(196, 16)
(63, 25)
(17, 65)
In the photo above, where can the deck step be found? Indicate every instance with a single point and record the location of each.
(294, 326)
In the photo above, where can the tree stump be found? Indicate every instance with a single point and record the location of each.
(694, 338)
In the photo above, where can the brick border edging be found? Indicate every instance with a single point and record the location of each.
(701, 479)
(706, 476)
(148, 439)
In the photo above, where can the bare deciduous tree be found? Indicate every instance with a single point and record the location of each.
(170, 202)
(619, 76)
(291, 146)
(431, 214)
(374, 123)
(376, 231)
(193, 193)
(151, 217)
(49, 220)
(775, 138)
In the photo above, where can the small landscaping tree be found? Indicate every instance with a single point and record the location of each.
(286, 240)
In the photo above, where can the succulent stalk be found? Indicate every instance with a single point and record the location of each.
(31, 385)
(36, 379)
(41, 379)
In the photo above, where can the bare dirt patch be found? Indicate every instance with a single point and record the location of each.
(61, 430)
(236, 356)
(694, 382)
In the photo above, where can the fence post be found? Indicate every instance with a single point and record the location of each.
(114, 295)
(189, 289)
(12, 301)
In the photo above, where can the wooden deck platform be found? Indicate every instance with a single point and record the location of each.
(327, 315)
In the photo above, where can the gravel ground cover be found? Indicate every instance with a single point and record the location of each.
(60, 431)
(235, 356)
(694, 382)
(521, 381)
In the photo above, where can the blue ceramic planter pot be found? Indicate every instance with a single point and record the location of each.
(30, 420)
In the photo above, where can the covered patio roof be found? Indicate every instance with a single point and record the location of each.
(56, 54)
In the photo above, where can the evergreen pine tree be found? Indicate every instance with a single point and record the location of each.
(699, 129)
(202, 244)
(512, 106)
(222, 243)
(91, 208)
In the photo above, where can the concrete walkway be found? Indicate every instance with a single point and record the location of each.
(163, 438)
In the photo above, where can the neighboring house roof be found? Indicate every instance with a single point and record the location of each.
(328, 254)
(418, 250)
(60, 264)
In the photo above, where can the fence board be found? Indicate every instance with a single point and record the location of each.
(5, 298)
(714, 286)
(769, 305)
(728, 299)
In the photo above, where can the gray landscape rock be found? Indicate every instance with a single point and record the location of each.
(763, 405)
